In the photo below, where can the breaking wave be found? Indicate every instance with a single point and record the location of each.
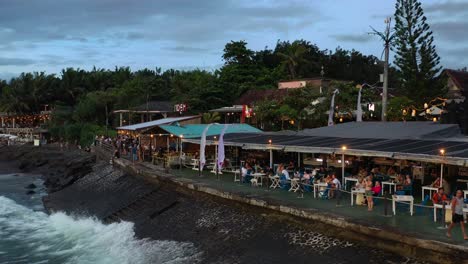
(29, 236)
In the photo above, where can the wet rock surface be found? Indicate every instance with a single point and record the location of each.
(60, 168)
(224, 231)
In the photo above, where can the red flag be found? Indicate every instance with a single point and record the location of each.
(243, 115)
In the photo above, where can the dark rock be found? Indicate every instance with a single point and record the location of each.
(31, 186)
(41, 163)
(24, 164)
(30, 192)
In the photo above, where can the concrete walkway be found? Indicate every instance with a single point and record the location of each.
(420, 225)
(418, 232)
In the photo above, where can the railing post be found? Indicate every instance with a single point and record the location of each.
(443, 212)
(386, 196)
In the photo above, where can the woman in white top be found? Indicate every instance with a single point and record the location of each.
(285, 173)
(457, 214)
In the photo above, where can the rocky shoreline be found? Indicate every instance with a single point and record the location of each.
(222, 231)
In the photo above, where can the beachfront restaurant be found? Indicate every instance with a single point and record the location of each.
(161, 140)
(433, 155)
(154, 142)
(190, 151)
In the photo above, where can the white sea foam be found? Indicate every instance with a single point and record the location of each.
(34, 237)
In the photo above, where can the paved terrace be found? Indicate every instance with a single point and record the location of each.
(419, 231)
(420, 225)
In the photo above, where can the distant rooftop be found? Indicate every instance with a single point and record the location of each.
(228, 109)
(385, 130)
(152, 107)
(460, 78)
(155, 123)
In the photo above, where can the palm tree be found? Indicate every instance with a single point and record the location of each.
(212, 117)
(293, 56)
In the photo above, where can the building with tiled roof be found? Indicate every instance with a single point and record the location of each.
(457, 83)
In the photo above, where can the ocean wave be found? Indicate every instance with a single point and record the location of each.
(34, 237)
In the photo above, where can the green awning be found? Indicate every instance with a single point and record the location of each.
(196, 130)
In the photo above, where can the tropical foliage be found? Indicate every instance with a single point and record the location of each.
(416, 58)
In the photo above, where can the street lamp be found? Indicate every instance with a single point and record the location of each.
(442, 153)
(271, 153)
(151, 146)
(343, 149)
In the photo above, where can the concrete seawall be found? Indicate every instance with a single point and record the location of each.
(387, 239)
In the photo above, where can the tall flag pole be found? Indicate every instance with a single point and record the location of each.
(221, 154)
(332, 107)
(202, 160)
(359, 108)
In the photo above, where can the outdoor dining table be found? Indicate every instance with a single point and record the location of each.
(402, 198)
(349, 179)
(258, 178)
(430, 189)
(447, 208)
(390, 185)
(317, 186)
(356, 192)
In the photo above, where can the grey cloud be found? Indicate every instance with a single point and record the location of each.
(451, 31)
(186, 49)
(461, 52)
(176, 20)
(361, 38)
(448, 7)
(135, 35)
(15, 61)
(455, 56)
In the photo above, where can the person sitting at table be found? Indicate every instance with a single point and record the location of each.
(359, 184)
(248, 173)
(306, 176)
(285, 173)
(362, 172)
(445, 185)
(291, 165)
(279, 169)
(408, 181)
(400, 179)
(391, 171)
(335, 187)
(439, 197)
(404, 182)
(327, 179)
(284, 177)
(436, 182)
(377, 189)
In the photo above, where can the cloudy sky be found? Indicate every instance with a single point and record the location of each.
(48, 35)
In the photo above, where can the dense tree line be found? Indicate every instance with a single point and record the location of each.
(89, 92)
(86, 98)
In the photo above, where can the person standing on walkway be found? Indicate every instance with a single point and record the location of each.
(457, 214)
(368, 188)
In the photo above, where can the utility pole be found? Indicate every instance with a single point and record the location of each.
(387, 38)
(385, 78)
